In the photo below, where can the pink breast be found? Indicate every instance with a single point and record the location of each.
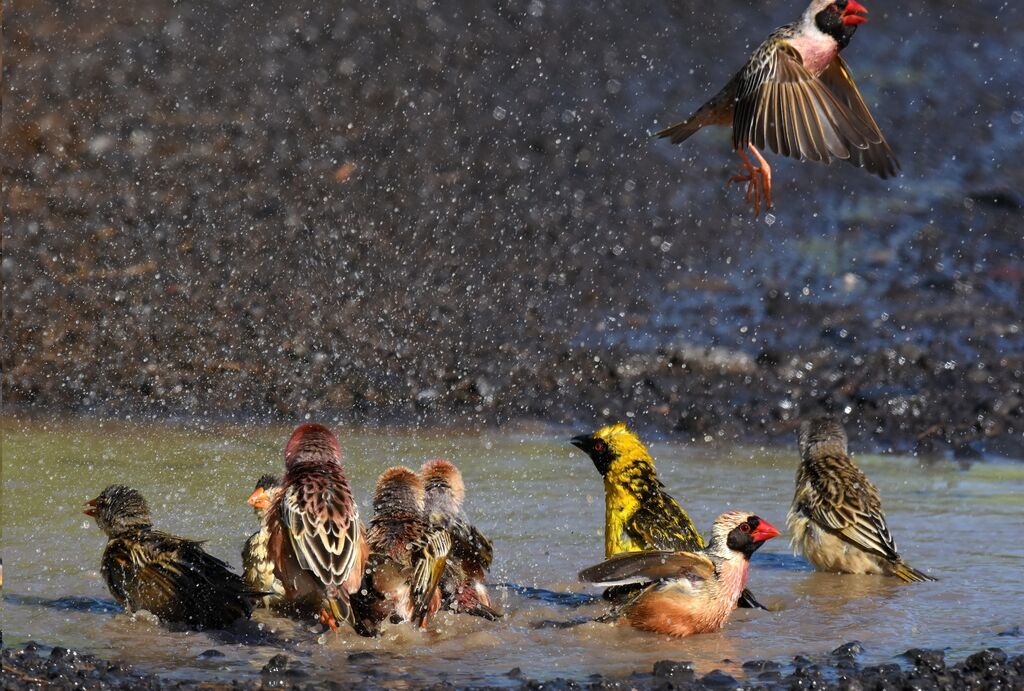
(817, 52)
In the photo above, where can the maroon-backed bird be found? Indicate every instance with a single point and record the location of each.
(796, 96)
(316, 541)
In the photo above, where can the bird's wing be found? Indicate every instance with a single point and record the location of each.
(639, 567)
(782, 106)
(323, 526)
(878, 157)
(838, 496)
(429, 557)
(660, 523)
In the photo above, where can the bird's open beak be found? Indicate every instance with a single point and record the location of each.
(855, 13)
(581, 441)
(259, 499)
(91, 511)
(764, 531)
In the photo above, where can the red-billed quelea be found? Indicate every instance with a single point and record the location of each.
(836, 517)
(316, 541)
(686, 593)
(797, 97)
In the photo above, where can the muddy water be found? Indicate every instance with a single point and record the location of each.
(540, 501)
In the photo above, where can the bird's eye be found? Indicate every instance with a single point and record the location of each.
(599, 446)
(745, 527)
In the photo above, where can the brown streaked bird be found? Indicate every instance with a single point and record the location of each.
(836, 517)
(463, 583)
(170, 576)
(316, 540)
(407, 556)
(685, 593)
(257, 567)
(796, 96)
(639, 514)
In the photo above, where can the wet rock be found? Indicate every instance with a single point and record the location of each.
(985, 660)
(210, 654)
(851, 649)
(933, 660)
(676, 671)
(1015, 631)
(717, 679)
(753, 666)
(362, 656)
(275, 665)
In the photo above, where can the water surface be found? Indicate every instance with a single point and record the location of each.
(540, 500)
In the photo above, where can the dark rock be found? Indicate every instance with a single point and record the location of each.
(933, 660)
(210, 654)
(362, 656)
(275, 665)
(760, 665)
(985, 660)
(853, 648)
(719, 679)
(676, 671)
(1014, 631)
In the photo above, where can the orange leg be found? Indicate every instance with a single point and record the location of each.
(758, 179)
(328, 620)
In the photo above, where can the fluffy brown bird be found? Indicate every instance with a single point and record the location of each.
(174, 578)
(407, 555)
(463, 583)
(836, 517)
(685, 593)
(316, 540)
(257, 567)
(796, 96)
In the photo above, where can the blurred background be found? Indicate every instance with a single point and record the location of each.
(454, 213)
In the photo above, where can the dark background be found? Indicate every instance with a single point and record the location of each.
(454, 213)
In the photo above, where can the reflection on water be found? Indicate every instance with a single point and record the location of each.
(540, 500)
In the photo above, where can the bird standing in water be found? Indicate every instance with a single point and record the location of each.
(316, 540)
(639, 515)
(463, 583)
(796, 96)
(257, 567)
(684, 593)
(170, 576)
(836, 517)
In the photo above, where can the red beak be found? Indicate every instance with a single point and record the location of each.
(855, 13)
(91, 511)
(764, 531)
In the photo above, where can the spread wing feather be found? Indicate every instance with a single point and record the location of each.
(639, 567)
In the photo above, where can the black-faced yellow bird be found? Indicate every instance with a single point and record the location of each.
(174, 578)
(257, 567)
(463, 583)
(639, 515)
(407, 555)
(684, 593)
(836, 517)
(796, 96)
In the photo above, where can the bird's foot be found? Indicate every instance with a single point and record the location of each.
(758, 179)
(328, 620)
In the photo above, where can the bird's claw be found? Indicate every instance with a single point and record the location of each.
(759, 186)
(328, 620)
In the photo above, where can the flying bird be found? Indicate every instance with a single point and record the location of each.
(463, 582)
(639, 514)
(796, 96)
(257, 567)
(170, 576)
(685, 593)
(316, 541)
(836, 517)
(407, 555)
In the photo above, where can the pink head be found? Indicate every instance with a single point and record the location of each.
(312, 442)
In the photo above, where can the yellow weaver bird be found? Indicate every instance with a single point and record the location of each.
(639, 515)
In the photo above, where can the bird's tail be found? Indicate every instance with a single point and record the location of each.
(340, 610)
(681, 131)
(909, 574)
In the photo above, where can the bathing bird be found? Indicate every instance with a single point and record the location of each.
(257, 567)
(836, 517)
(407, 555)
(796, 96)
(639, 515)
(169, 576)
(685, 593)
(316, 541)
(463, 585)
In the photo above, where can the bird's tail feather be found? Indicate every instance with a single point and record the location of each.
(909, 574)
(681, 131)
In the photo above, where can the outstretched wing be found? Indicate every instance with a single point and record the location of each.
(323, 525)
(641, 567)
(782, 106)
(837, 495)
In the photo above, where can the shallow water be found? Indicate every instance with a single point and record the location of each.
(540, 500)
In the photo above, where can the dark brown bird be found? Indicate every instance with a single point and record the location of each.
(407, 556)
(836, 517)
(685, 593)
(463, 584)
(796, 96)
(316, 540)
(174, 578)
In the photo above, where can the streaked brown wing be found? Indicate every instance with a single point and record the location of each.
(878, 158)
(838, 496)
(634, 567)
(323, 526)
(784, 107)
(429, 557)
